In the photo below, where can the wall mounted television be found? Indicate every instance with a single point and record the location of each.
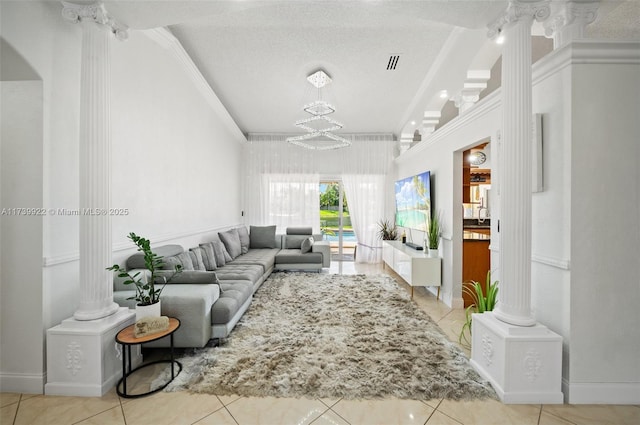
(413, 201)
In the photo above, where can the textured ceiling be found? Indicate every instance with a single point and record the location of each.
(256, 54)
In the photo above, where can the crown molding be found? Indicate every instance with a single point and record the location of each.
(587, 52)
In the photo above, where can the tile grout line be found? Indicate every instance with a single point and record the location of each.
(557, 416)
(443, 413)
(328, 409)
(338, 414)
(124, 417)
(224, 406)
(15, 416)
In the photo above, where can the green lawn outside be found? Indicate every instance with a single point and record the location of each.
(329, 220)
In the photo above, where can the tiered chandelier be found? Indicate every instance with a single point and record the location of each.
(320, 138)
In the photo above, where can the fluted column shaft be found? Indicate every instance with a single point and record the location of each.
(96, 283)
(514, 296)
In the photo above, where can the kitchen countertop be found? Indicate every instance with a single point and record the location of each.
(474, 236)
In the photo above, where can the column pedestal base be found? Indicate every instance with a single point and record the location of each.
(83, 358)
(523, 364)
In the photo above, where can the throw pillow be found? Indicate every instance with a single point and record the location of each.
(245, 241)
(208, 256)
(262, 237)
(219, 251)
(306, 245)
(184, 259)
(197, 259)
(294, 241)
(231, 241)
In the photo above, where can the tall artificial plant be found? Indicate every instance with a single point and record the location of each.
(481, 303)
(146, 290)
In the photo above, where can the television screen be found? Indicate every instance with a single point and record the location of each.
(413, 201)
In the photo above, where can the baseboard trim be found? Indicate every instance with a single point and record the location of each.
(25, 383)
(81, 390)
(602, 392)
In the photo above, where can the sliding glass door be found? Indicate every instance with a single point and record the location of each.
(335, 221)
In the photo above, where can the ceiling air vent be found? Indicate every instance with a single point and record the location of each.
(393, 62)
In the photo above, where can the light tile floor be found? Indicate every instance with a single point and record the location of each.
(184, 408)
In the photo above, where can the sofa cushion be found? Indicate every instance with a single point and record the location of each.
(306, 245)
(252, 272)
(245, 240)
(136, 261)
(184, 260)
(196, 258)
(263, 257)
(299, 231)
(189, 277)
(294, 241)
(262, 237)
(234, 295)
(231, 241)
(208, 256)
(294, 256)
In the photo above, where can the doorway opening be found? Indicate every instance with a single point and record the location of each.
(476, 219)
(335, 221)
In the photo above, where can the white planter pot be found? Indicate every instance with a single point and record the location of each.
(434, 253)
(152, 310)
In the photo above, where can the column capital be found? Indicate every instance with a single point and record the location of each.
(95, 12)
(430, 121)
(519, 10)
(474, 84)
(568, 20)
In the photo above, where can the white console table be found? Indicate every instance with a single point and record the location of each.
(412, 265)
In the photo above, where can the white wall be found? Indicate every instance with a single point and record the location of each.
(21, 329)
(176, 152)
(605, 198)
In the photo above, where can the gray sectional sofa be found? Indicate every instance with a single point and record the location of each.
(220, 277)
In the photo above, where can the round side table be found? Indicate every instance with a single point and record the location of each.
(126, 338)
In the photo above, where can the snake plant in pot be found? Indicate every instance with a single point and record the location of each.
(434, 231)
(481, 303)
(147, 283)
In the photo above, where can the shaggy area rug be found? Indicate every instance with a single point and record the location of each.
(323, 335)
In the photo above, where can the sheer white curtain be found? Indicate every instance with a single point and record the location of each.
(366, 197)
(367, 186)
(281, 184)
(291, 200)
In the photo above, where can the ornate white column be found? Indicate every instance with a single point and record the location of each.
(82, 356)
(514, 296)
(96, 295)
(521, 358)
(569, 19)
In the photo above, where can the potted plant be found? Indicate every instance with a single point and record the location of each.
(481, 304)
(147, 293)
(433, 236)
(387, 231)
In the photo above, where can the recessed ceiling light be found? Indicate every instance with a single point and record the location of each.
(413, 123)
(444, 94)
